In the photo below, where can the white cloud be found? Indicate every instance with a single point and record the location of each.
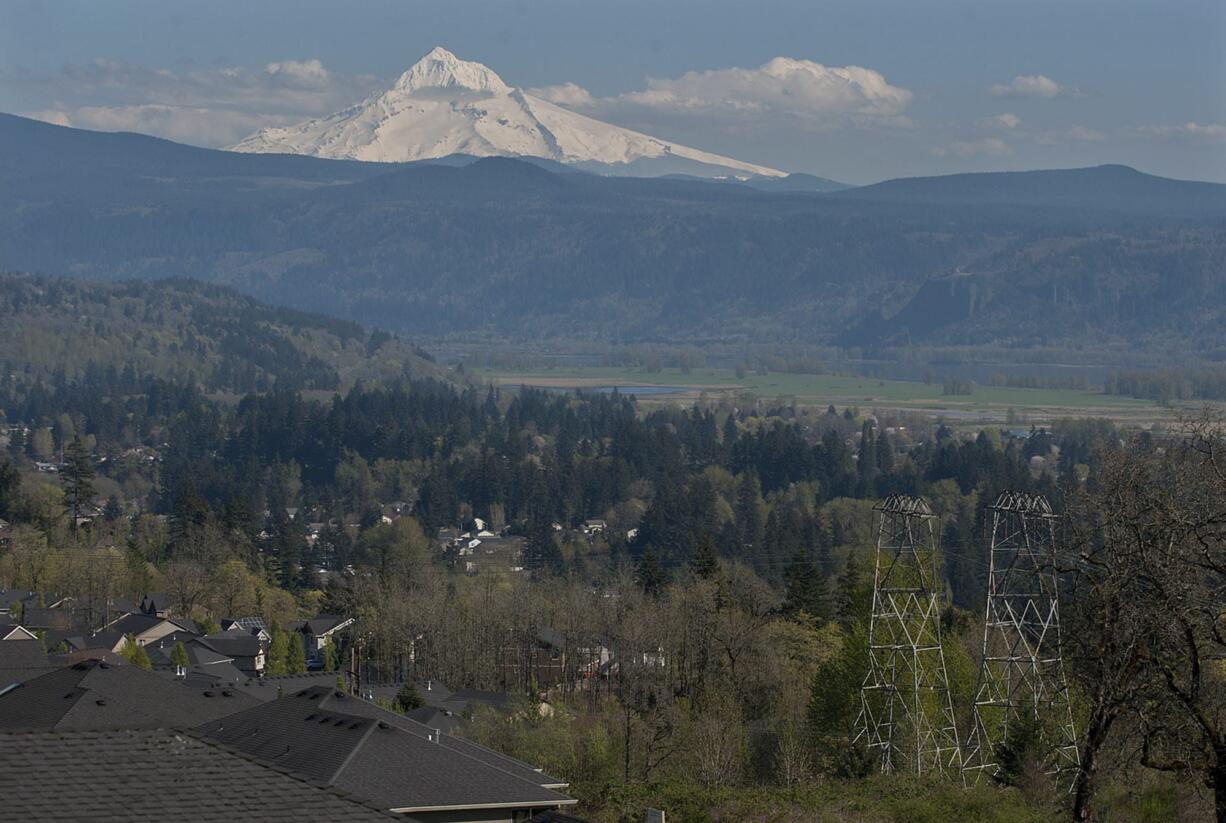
(185, 124)
(1007, 120)
(987, 147)
(800, 90)
(564, 94)
(208, 106)
(1206, 131)
(1031, 85)
(1085, 134)
(310, 72)
(1073, 134)
(53, 116)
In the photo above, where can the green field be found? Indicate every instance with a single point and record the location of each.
(986, 403)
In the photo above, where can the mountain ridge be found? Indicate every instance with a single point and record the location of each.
(507, 249)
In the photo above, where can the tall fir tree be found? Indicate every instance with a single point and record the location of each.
(78, 479)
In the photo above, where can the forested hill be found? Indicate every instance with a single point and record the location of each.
(61, 329)
(504, 249)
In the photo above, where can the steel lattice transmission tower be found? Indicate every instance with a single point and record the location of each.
(1021, 676)
(906, 715)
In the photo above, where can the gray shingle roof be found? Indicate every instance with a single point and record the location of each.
(94, 695)
(340, 702)
(154, 775)
(371, 758)
(20, 660)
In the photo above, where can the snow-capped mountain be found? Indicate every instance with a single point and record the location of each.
(444, 106)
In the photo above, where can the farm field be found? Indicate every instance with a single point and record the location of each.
(985, 404)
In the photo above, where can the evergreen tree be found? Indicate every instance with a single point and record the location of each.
(705, 563)
(866, 463)
(408, 698)
(806, 590)
(112, 511)
(750, 523)
(10, 488)
(277, 663)
(328, 652)
(78, 479)
(541, 552)
(178, 656)
(295, 662)
(650, 575)
(853, 597)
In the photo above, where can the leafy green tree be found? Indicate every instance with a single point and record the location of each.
(136, 655)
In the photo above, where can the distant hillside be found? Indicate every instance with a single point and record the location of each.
(55, 329)
(1100, 189)
(500, 249)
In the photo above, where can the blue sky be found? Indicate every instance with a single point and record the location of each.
(949, 86)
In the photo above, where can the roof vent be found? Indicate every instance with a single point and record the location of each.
(100, 701)
(339, 694)
(383, 724)
(339, 722)
(104, 665)
(227, 693)
(357, 724)
(208, 693)
(324, 718)
(312, 716)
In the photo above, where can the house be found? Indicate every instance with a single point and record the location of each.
(251, 625)
(353, 746)
(12, 600)
(318, 632)
(156, 604)
(140, 775)
(145, 628)
(542, 662)
(594, 527)
(245, 650)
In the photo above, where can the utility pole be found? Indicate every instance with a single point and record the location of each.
(1022, 687)
(906, 712)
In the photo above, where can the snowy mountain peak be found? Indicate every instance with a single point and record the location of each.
(440, 69)
(444, 105)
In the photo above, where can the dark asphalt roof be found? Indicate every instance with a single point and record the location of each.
(371, 758)
(435, 718)
(95, 695)
(154, 775)
(20, 660)
(232, 644)
(340, 702)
